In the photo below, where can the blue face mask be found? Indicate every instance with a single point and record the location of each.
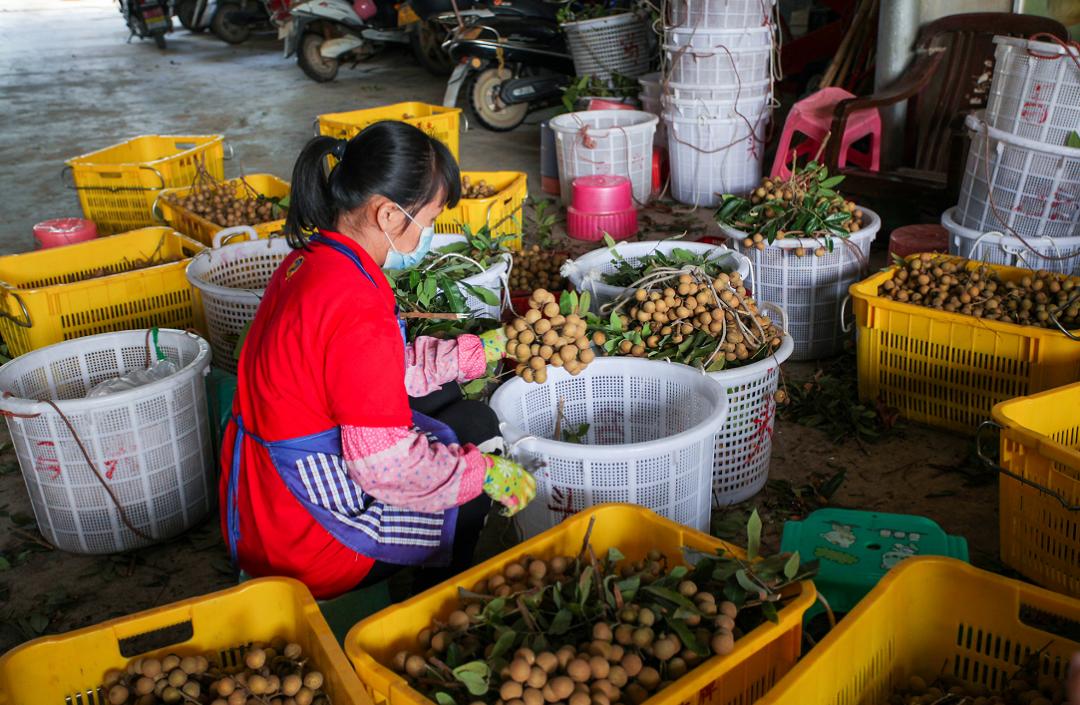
(396, 259)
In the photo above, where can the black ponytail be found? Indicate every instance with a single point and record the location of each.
(391, 159)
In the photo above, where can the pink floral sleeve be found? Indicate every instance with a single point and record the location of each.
(430, 363)
(403, 468)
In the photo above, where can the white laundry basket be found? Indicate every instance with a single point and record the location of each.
(710, 157)
(734, 92)
(650, 439)
(1054, 254)
(1035, 187)
(744, 444)
(1035, 92)
(494, 279)
(585, 272)
(232, 279)
(615, 142)
(720, 14)
(810, 289)
(609, 45)
(151, 445)
(702, 59)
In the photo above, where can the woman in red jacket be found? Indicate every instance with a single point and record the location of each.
(328, 475)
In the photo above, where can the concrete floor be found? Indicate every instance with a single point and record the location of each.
(70, 85)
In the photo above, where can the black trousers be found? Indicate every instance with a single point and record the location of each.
(472, 422)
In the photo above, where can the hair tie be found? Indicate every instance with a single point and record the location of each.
(338, 150)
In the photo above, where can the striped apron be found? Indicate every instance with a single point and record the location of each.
(313, 469)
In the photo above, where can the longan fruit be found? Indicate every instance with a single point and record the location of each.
(665, 649)
(551, 309)
(415, 666)
(291, 684)
(729, 608)
(304, 696)
(579, 670)
(172, 695)
(601, 631)
(313, 680)
(586, 356)
(537, 677)
(646, 618)
(550, 337)
(724, 622)
(177, 678)
(532, 696)
(568, 353)
(562, 686)
(510, 690)
(532, 316)
(188, 665)
(599, 667)
(649, 678)
(632, 664)
(541, 326)
(540, 376)
(537, 363)
(257, 684)
(723, 643)
(192, 689)
(458, 620)
(520, 670)
(292, 651)
(600, 648)
(547, 661)
(580, 699)
(599, 338)
(637, 350)
(624, 634)
(225, 686)
(118, 695)
(172, 661)
(526, 337)
(238, 697)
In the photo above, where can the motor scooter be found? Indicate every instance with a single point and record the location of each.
(147, 19)
(511, 58)
(232, 21)
(324, 33)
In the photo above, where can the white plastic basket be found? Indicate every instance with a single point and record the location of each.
(232, 279)
(151, 445)
(586, 271)
(720, 14)
(811, 289)
(713, 157)
(750, 107)
(495, 279)
(1054, 254)
(716, 93)
(1035, 187)
(650, 439)
(744, 444)
(650, 85)
(609, 45)
(735, 39)
(618, 142)
(718, 57)
(1035, 92)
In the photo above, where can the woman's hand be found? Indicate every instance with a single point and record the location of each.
(509, 484)
(494, 342)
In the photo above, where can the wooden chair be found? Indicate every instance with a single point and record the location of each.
(948, 78)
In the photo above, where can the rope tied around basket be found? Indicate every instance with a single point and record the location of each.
(1071, 48)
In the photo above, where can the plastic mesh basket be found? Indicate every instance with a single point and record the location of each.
(720, 14)
(615, 142)
(744, 444)
(1035, 92)
(650, 436)
(586, 271)
(494, 279)
(232, 279)
(736, 92)
(712, 157)
(810, 289)
(151, 444)
(1055, 254)
(1035, 187)
(717, 66)
(609, 45)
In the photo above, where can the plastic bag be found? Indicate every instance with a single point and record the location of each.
(159, 369)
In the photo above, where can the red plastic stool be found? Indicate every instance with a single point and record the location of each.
(659, 169)
(912, 239)
(812, 117)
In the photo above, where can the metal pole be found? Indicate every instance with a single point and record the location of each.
(898, 26)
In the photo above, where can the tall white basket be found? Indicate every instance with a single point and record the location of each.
(711, 157)
(720, 14)
(1035, 92)
(586, 272)
(810, 289)
(650, 439)
(1054, 254)
(151, 445)
(609, 45)
(232, 279)
(1033, 187)
(615, 142)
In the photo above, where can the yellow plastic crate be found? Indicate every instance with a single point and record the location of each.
(946, 369)
(69, 668)
(117, 185)
(199, 228)
(759, 658)
(932, 616)
(503, 213)
(441, 123)
(1040, 528)
(44, 298)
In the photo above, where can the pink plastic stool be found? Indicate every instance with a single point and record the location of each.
(913, 239)
(602, 205)
(812, 117)
(63, 231)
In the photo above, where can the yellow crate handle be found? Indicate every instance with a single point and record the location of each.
(155, 211)
(844, 325)
(222, 237)
(1022, 480)
(111, 189)
(9, 290)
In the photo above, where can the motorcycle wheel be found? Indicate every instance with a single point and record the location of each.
(486, 107)
(317, 67)
(227, 31)
(159, 40)
(185, 12)
(426, 41)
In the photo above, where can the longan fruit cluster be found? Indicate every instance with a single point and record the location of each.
(544, 336)
(1025, 688)
(950, 285)
(535, 268)
(218, 204)
(777, 194)
(480, 189)
(275, 674)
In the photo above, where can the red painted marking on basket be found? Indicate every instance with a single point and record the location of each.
(110, 468)
(47, 461)
(567, 508)
(1034, 110)
(764, 430)
(706, 694)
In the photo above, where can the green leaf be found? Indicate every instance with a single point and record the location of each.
(1073, 140)
(678, 572)
(504, 643)
(673, 597)
(565, 305)
(474, 683)
(584, 585)
(38, 622)
(444, 699)
(494, 608)
(753, 536)
(584, 301)
(746, 583)
(832, 181)
(608, 240)
(614, 555)
(561, 622)
(429, 291)
(686, 636)
(488, 296)
(615, 322)
(769, 610)
(5, 564)
(791, 568)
